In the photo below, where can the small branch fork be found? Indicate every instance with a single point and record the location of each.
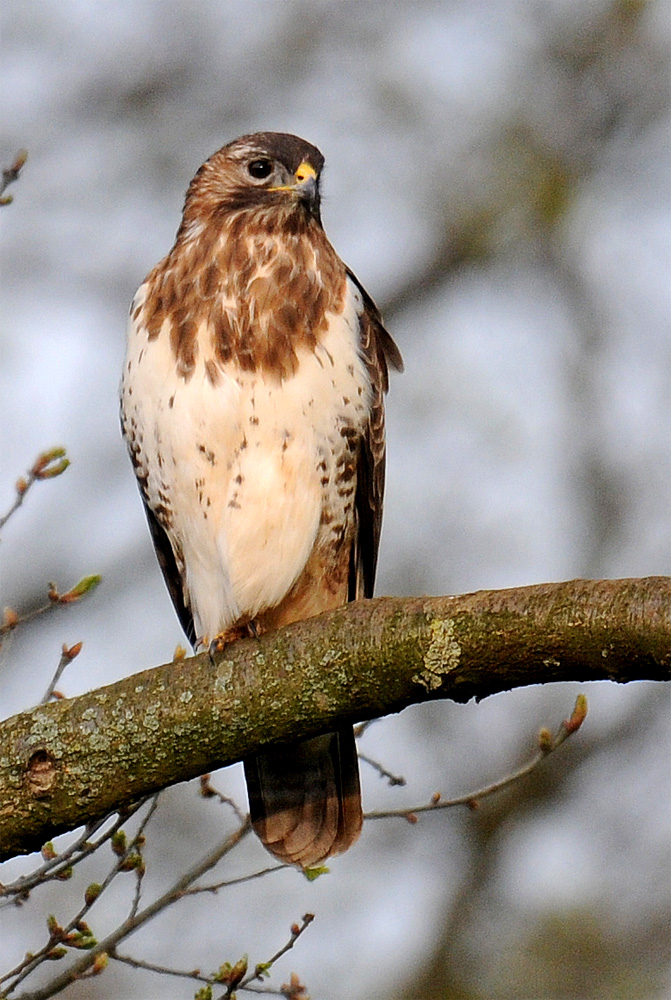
(77, 933)
(232, 977)
(60, 867)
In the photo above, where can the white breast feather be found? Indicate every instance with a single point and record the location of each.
(240, 462)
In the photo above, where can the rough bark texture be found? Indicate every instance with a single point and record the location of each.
(71, 761)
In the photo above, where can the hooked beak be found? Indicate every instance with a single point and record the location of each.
(306, 183)
(305, 186)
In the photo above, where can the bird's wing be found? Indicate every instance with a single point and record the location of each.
(379, 353)
(171, 573)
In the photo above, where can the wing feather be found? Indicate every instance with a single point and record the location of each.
(172, 574)
(379, 353)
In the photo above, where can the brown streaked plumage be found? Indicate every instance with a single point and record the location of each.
(252, 405)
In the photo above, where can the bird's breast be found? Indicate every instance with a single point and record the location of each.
(250, 473)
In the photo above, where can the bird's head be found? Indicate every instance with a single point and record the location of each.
(270, 171)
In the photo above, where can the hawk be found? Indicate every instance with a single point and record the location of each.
(252, 406)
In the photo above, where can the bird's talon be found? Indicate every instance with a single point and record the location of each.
(217, 645)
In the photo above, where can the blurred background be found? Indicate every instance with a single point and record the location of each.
(498, 178)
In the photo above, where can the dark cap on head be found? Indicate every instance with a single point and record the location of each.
(289, 149)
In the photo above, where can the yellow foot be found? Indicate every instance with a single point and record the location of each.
(229, 635)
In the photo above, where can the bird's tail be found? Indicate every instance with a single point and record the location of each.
(305, 800)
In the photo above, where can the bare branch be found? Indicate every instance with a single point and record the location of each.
(163, 970)
(56, 865)
(75, 760)
(214, 887)
(68, 654)
(263, 969)
(208, 791)
(76, 933)
(547, 744)
(392, 779)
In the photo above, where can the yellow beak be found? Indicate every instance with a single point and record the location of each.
(305, 179)
(305, 172)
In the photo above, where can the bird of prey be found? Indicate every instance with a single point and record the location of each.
(252, 406)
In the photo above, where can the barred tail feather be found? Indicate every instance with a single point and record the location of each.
(305, 800)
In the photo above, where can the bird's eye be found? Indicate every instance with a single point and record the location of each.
(260, 169)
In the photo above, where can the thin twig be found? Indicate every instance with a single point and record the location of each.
(208, 791)
(62, 664)
(547, 744)
(137, 844)
(265, 967)
(106, 947)
(48, 465)
(195, 974)
(140, 963)
(54, 867)
(392, 779)
(68, 654)
(59, 935)
(55, 600)
(12, 619)
(216, 886)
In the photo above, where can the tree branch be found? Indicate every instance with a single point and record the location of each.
(72, 761)
(85, 962)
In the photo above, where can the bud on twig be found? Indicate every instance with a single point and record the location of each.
(73, 651)
(48, 852)
(92, 892)
(50, 464)
(99, 963)
(85, 585)
(578, 716)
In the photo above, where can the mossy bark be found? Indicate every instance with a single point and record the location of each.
(74, 760)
